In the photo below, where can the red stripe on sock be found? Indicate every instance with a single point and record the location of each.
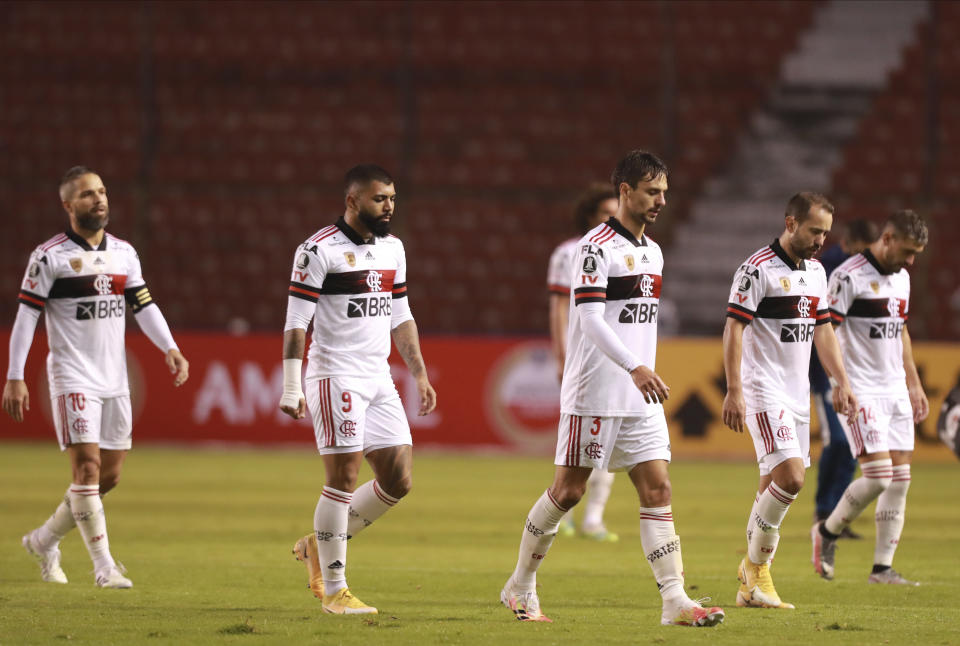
(336, 497)
(382, 496)
(554, 501)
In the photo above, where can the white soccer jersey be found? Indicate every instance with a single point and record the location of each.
(614, 268)
(82, 291)
(781, 303)
(870, 306)
(560, 269)
(360, 290)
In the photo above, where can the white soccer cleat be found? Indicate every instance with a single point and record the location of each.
(824, 551)
(692, 613)
(525, 605)
(50, 570)
(891, 577)
(112, 577)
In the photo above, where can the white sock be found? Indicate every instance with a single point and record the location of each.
(538, 533)
(753, 510)
(330, 525)
(661, 545)
(860, 493)
(890, 515)
(369, 503)
(768, 514)
(598, 492)
(87, 509)
(52, 532)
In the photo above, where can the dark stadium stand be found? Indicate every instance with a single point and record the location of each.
(902, 157)
(222, 131)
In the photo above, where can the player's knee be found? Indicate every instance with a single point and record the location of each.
(568, 495)
(398, 487)
(108, 481)
(879, 485)
(791, 482)
(656, 494)
(87, 472)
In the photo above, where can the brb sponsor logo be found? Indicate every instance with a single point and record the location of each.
(888, 330)
(372, 306)
(639, 312)
(796, 332)
(93, 310)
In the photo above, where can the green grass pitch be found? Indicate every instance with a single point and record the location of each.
(206, 537)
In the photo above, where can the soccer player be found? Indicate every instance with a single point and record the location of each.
(597, 205)
(836, 466)
(869, 297)
(777, 307)
(350, 279)
(81, 279)
(611, 398)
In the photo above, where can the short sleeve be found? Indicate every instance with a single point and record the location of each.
(590, 272)
(308, 273)
(745, 293)
(840, 295)
(37, 281)
(559, 270)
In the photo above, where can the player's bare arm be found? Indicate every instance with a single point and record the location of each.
(16, 399)
(559, 314)
(828, 349)
(650, 384)
(407, 341)
(178, 365)
(292, 402)
(734, 407)
(918, 399)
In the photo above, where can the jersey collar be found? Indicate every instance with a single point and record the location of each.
(614, 224)
(876, 263)
(84, 244)
(354, 237)
(782, 255)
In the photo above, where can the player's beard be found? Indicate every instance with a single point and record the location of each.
(806, 253)
(93, 221)
(377, 225)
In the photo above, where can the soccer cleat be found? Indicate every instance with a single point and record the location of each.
(599, 534)
(525, 605)
(756, 587)
(112, 577)
(342, 602)
(567, 528)
(692, 614)
(50, 570)
(305, 550)
(892, 577)
(823, 552)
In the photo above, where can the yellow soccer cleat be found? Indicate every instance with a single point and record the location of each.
(343, 602)
(756, 587)
(305, 550)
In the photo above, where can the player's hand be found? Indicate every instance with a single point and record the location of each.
(735, 411)
(179, 366)
(918, 399)
(428, 397)
(650, 384)
(294, 405)
(16, 398)
(844, 402)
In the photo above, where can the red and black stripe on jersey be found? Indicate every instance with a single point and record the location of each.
(30, 299)
(621, 288)
(349, 282)
(780, 307)
(92, 285)
(871, 308)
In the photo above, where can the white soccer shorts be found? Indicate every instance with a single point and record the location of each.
(778, 435)
(79, 418)
(881, 425)
(611, 443)
(353, 414)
